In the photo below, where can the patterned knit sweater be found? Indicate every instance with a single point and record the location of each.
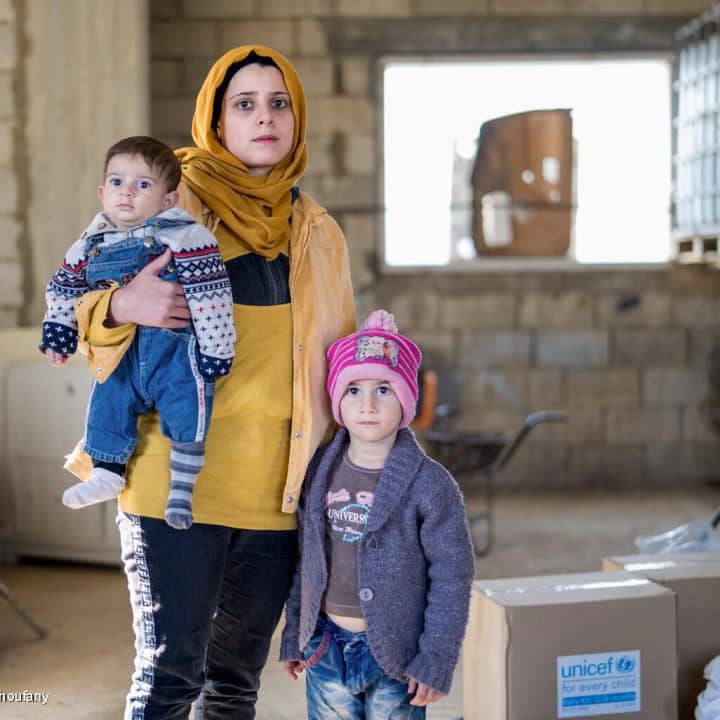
(198, 268)
(415, 565)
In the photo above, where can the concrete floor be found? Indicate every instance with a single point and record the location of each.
(85, 662)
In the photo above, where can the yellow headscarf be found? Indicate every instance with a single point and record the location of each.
(254, 209)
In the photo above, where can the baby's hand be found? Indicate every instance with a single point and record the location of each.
(424, 694)
(55, 359)
(293, 668)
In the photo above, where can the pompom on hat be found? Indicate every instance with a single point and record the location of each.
(375, 352)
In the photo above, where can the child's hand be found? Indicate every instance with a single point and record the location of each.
(55, 358)
(424, 694)
(293, 668)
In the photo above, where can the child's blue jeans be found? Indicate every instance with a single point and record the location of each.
(344, 681)
(159, 370)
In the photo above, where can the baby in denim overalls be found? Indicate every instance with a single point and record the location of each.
(171, 370)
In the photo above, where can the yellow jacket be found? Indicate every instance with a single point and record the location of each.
(322, 308)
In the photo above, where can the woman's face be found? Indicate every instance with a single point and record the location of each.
(256, 121)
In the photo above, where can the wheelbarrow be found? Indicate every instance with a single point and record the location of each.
(473, 458)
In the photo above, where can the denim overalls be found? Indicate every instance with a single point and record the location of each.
(159, 369)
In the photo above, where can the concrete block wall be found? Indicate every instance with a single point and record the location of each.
(11, 273)
(621, 352)
(625, 353)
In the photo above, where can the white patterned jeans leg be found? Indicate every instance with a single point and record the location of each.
(344, 681)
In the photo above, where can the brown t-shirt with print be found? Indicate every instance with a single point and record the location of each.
(347, 506)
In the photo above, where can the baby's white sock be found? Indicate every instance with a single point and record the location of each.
(102, 485)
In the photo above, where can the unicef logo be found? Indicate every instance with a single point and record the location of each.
(625, 664)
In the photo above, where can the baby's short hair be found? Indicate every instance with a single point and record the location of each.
(155, 153)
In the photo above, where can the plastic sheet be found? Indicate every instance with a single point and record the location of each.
(708, 707)
(694, 536)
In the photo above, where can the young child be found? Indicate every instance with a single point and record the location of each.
(378, 607)
(170, 370)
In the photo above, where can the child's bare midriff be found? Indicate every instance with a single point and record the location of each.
(353, 624)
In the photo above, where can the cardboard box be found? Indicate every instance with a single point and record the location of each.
(599, 645)
(695, 578)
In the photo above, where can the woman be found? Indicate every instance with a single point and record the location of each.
(206, 600)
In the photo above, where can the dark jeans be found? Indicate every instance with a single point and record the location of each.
(205, 603)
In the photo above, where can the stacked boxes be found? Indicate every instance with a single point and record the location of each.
(568, 646)
(695, 578)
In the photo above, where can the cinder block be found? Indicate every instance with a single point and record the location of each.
(219, 9)
(360, 231)
(8, 47)
(373, 8)
(572, 349)
(490, 310)
(311, 38)
(676, 7)
(165, 78)
(7, 11)
(500, 388)
(650, 347)
(360, 154)
(451, 7)
(317, 76)
(295, 8)
(355, 76)
(6, 142)
(193, 74)
(674, 387)
(482, 350)
(538, 467)
(545, 389)
(163, 10)
(415, 310)
(566, 310)
(277, 34)
(9, 317)
(9, 237)
(319, 156)
(683, 463)
(642, 426)
(8, 191)
(7, 97)
(702, 343)
(699, 311)
(172, 116)
(339, 194)
(586, 428)
(615, 387)
(696, 427)
(437, 347)
(605, 7)
(606, 467)
(177, 39)
(10, 283)
(527, 7)
(651, 310)
(341, 114)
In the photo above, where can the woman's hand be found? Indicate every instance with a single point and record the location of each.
(424, 694)
(148, 300)
(293, 668)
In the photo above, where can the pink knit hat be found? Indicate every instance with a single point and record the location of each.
(376, 352)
